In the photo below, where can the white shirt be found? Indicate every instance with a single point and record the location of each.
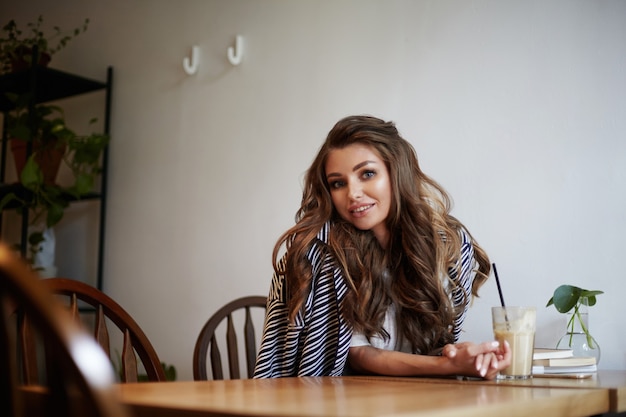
(395, 342)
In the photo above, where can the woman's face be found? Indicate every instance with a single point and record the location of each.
(360, 188)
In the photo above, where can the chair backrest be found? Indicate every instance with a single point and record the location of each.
(79, 376)
(207, 340)
(84, 302)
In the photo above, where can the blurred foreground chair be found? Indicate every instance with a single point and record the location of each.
(105, 310)
(207, 340)
(79, 376)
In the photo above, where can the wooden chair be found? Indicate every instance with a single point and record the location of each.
(207, 340)
(79, 376)
(79, 296)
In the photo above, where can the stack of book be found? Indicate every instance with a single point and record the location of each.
(561, 361)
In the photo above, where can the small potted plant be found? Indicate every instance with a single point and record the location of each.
(575, 301)
(17, 46)
(45, 129)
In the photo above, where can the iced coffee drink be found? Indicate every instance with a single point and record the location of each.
(516, 325)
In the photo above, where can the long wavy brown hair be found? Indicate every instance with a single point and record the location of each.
(422, 252)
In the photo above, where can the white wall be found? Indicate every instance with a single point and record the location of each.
(517, 107)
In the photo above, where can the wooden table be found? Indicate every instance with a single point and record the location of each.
(612, 380)
(354, 396)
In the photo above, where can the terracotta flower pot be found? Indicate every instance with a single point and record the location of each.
(48, 157)
(21, 62)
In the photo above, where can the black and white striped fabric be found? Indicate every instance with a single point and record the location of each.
(465, 279)
(317, 343)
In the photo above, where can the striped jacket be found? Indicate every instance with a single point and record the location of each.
(317, 342)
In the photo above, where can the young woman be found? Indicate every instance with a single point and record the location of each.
(377, 275)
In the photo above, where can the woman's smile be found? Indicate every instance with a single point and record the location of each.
(360, 210)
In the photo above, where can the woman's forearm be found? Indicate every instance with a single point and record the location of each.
(367, 359)
(467, 359)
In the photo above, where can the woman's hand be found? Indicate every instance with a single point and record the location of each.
(482, 360)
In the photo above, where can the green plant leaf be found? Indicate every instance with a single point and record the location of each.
(21, 132)
(35, 238)
(7, 199)
(588, 297)
(170, 371)
(82, 185)
(588, 293)
(565, 297)
(55, 214)
(591, 296)
(32, 177)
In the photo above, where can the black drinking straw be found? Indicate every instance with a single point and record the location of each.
(495, 272)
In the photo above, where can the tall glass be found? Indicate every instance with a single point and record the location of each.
(516, 325)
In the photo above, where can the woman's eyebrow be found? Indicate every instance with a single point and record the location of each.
(356, 168)
(362, 164)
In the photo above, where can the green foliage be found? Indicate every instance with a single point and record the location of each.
(568, 297)
(46, 200)
(170, 373)
(170, 370)
(16, 44)
(44, 123)
(45, 126)
(83, 157)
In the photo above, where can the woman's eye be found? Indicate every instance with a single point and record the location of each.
(337, 184)
(368, 174)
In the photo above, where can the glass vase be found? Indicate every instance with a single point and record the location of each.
(577, 336)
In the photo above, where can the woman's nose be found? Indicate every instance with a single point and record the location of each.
(355, 191)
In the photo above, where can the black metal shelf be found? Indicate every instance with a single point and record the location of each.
(50, 85)
(24, 194)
